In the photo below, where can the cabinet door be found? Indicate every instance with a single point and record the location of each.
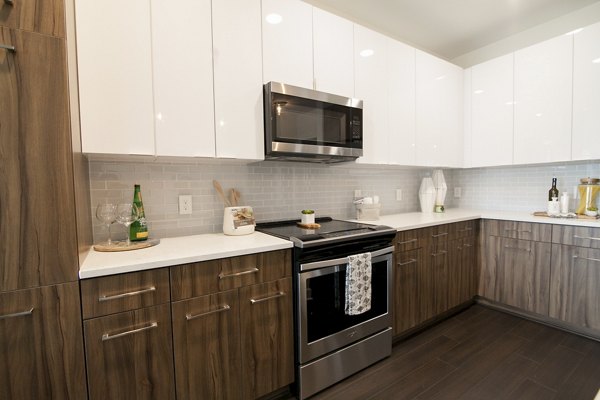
(492, 112)
(38, 242)
(183, 78)
(267, 337)
(130, 355)
(467, 119)
(333, 47)
(407, 275)
(586, 97)
(462, 271)
(287, 42)
(42, 16)
(517, 273)
(239, 125)
(114, 60)
(41, 347)
(439, 112)
(206, 338)
(543, 101)
(401, 98)
(371, 86)
(575, 285)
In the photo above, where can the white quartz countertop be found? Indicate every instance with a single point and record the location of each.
(178, 250)
(189, 249)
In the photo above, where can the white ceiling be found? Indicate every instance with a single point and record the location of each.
(451, 28)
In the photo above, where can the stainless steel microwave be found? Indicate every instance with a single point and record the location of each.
(307, 125)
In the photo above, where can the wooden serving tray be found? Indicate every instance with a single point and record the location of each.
(578, 216)
(120, 246)
(308, 226)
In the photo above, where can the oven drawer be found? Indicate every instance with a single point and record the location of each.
(202, 278)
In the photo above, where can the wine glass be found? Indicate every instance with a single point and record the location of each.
(107, 214)
(127, 214)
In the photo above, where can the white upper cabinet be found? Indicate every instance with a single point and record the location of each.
(467, 125)
(183, 78)
(238, 89)
(439, 112)
(115, 77)
(371, 86)
(492, 112)
(401, 101)
(586, 94)
(287, 42)
(333, 47)
(543, 101)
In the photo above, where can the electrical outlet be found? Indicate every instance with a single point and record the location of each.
(457, 192)
(398, 194)
(357, 193)
(185, 204)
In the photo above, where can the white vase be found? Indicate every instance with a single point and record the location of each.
(427, 195)
(441, 189)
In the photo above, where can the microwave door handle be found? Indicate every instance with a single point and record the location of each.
(341, 260)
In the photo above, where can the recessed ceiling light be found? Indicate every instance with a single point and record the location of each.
(596, 61)
(576, 31)
(478, 91)
(538, 114)
(439, 78)
(274, 18)
(367, 53)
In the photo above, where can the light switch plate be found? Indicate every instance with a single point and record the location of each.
(457, 192)
(398, 194)
(185, 204)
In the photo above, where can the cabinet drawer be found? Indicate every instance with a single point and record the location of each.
(576, 235)
(118, 293)
(436, 234)
(407, 240)
(42, 16)
(199, 279)
(518, 230)
(463, 229)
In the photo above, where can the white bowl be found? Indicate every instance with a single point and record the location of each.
(591, 213)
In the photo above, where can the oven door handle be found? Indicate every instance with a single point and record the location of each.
(341, 260)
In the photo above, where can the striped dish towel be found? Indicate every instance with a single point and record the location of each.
(358, 284)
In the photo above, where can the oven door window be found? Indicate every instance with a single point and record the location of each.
(312, 122)
(325, 300)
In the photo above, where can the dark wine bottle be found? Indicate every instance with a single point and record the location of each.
(139, 229)
(553, 192)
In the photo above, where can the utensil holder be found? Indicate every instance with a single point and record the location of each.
(368, 212)
(238, 221)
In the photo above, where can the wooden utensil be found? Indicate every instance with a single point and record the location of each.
(219, 190)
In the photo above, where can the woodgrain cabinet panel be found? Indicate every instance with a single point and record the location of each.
(38, 236)
(198, 279)
(130, 355)
(463, 229)
(117, 293)
(206, 339)
(42, 16)
(266, 337)
(462, 271)
(575, 285)
(408, 240)
(581, 236)
(41, 345)
(518, 230)
(407, 275)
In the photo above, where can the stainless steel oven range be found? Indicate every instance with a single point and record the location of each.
(329, 344)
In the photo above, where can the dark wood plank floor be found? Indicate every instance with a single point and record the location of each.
(481, 354)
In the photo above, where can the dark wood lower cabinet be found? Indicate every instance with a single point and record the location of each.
(206, 340)
(409, 266)
(462, 271)
(41, 346)
(266, 337)
(434, 281)
(130, 355)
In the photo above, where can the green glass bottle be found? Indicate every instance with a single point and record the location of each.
(139, 229)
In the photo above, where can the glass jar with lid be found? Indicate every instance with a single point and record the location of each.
(588, 196)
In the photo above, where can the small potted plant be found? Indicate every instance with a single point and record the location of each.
(308, 217)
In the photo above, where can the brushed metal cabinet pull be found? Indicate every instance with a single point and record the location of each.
(128, 294)
(408, 241)
(439, 234)
(190, 317)
(465, 230)
(9, 2)
(9, 48)
(254, 301)
(587, 258)
(250, 271)
(441, 253)
(516, 248)
(516, 230)
(107, 336)
(411, 261)
(586, 237)
(17, 314)
(467, 245)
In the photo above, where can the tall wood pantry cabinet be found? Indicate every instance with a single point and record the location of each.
(41, 346)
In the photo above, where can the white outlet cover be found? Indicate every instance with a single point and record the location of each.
(185, 204)
(457, 192)
(398, 194)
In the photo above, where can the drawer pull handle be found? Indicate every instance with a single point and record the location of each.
(9, 2)
(467, 245)
(516, 230)
(254, 301)
(586, 237)
(107, 336)
(411, 261)
(439, 234)
(441, 253)
(465, 230)
(407, 241)
(128, 294)
(190, 317)
(7, 47)
(17, 314)
(516, 248)
(586, 258)
(250, 271)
